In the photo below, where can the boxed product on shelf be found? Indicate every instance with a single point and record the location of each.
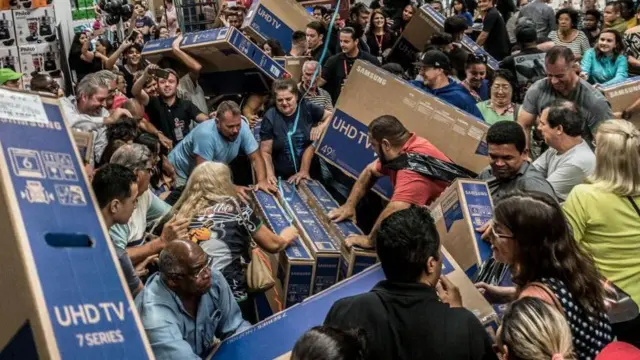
(9, 58)
(324, 247)
(40, 58)
(354, 259)
(7, 29)
(29, 4)
(35, 26)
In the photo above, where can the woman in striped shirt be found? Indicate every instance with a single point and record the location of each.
(568, 35)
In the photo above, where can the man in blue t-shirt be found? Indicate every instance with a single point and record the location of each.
(435, 68)
(220, 140)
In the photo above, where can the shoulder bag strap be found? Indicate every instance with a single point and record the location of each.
(635, 206)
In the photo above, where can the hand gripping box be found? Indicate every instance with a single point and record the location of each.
(297, 266)
(371, 92)
(354, 259)
(231, 63)
(464, 206)
(257, 342)
(417, 34)
(275, 19)
(64, 294)
(622, 95)
(324, 248)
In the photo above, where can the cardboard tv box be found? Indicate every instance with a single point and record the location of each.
(65, 296)
(9, 58)
(324, 248)
(371, 92)
(293, 65)
(275, 19)
(426, 22)
(354, 259)
(623, 95)
(37, 26)
(257, 342)
(464, 206)
(231, 63)
(296, 267)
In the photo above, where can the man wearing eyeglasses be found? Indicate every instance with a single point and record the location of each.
(187, 304)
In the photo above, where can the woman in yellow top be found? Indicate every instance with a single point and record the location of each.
(605, 214)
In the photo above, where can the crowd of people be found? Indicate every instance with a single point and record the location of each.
(172, 167)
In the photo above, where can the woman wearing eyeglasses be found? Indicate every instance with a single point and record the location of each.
(605, 214)
(531, 235)
(500, 106)
(223, 226)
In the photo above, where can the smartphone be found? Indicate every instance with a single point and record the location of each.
(134, 35)
(161, 73)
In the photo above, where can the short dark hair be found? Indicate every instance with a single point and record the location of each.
(358, 8)
(595, 13)
(40, 82)
(564, 113)
(125, 129)
(507, 132)
(441, 39)
(558, 52)
(112, 181)
(405, 242)
(474, 59)
(390, 128)
(349, 30)
(573, 15)
(455, 25)
(330, 343)
(150, 141)
(323, 10)
(615, 4)
(509, 77)
(298, 36)
(285, 84)
(318, 27)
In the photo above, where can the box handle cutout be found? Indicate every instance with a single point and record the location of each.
(68, 240)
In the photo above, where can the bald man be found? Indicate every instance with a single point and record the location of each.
(45, 83)
(187, 304)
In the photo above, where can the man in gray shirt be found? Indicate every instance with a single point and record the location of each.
(542, 14)
(509, 170)
(562, 83)
(570, 159)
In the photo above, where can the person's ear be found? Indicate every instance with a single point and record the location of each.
(114, 206)
(432, 265)
(385, 144)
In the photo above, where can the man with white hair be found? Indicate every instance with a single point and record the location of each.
(316, 95)
(149, 208)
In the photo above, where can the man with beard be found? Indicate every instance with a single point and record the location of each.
(219, 140)
(509, 169)
(168, 113)
(187, 305)
(390, 140)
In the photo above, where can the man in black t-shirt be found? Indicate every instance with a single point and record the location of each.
(172, 116)
(337, 67)
(316, 34)
(528, 64)
(494, 36)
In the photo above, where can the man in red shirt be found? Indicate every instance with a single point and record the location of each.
(390, 139)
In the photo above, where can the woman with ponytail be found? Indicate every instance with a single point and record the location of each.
(533, 330)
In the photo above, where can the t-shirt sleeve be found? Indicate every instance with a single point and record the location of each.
(266, 127)
(490, 21)
(539, 184)
(413, 188)
(531, 99)
(542, 163)
(601, 111)
(327, 69)
(133, 281)
(316, 112)
(249, 143)
(119, 234)
(564, 178)
(157, 208)
(193, 111)
(203, 143)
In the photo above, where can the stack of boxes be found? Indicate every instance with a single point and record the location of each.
(28, 41)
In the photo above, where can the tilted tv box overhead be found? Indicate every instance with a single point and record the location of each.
(64, 297)
(231, 63)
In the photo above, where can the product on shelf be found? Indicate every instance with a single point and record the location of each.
(35, 26)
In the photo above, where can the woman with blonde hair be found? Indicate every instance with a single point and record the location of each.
(533, 330)
(223, 226)
(605, 215)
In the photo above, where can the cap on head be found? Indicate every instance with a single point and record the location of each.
(435, 59)
(7, 74)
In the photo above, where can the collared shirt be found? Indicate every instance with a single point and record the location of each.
(528, 178)
(491, 116)
(175, 120)
(174, 333)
